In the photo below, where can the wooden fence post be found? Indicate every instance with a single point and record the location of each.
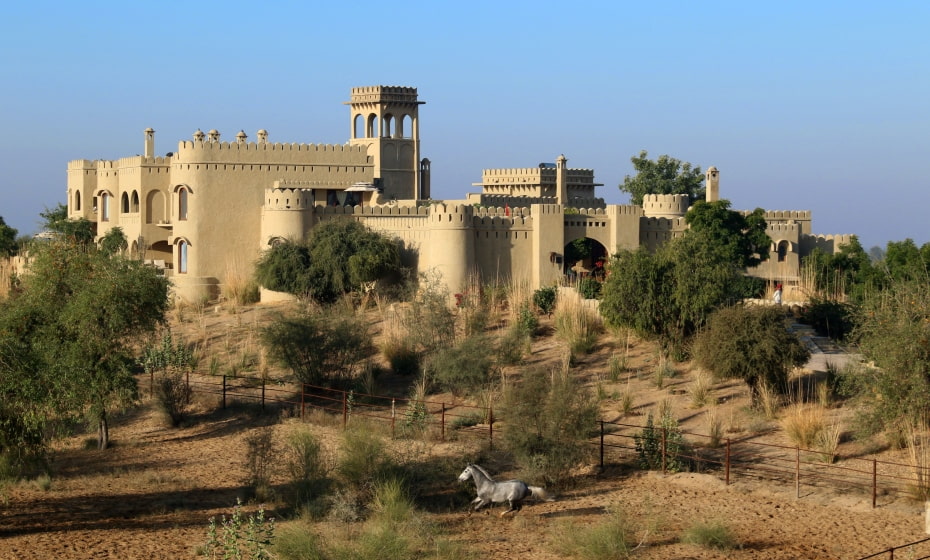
(797, 472)
(263, 395)
(188, 393)
(602, 445)
(874, 482)
(345, 411)
(726, 468)
(664, 432)
(490, 428)
(443, 421)
(224, 392)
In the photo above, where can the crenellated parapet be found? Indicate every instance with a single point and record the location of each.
(662, 224)
(826, 243)
(666, 205)
(387, 210)
(205, 151)
(624, 210)
(288, 199)
(380, 94)
(520, 222)
(782, 215)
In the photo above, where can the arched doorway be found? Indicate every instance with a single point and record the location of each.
(585, 257)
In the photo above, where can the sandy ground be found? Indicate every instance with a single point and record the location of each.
(151, 494)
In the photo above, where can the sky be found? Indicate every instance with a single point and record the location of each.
(821, 106)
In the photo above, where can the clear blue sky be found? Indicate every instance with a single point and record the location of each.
(801, 105)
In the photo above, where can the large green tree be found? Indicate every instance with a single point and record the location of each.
(338, 257)
(739, 239)
(668, 295)
(665, 175)
(72, 328)
(7, 239)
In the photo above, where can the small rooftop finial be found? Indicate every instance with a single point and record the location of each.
(213, 135)
(241, 137)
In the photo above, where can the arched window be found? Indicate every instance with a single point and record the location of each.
(182, 257)
(77, 200)
(371, 129)
(182, 204)
(124, 204)
(782, 250)
(387, 126)
(134, 203)
(105, 207)
(357, 124)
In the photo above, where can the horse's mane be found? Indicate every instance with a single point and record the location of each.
(484, 472)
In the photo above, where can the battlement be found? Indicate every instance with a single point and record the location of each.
(838, 240)
(502, 211)
(624, 210)
(501, 222)
(206, 145)
(377, 94)
(287, 199)
(387, 210)
(787, 215)
(648, 223)
(666, 205)
(784, 228)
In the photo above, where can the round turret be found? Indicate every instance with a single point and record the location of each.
(241, 137)
(198, 136)
(665, 205)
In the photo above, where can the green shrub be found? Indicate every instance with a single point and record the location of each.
(713, 534)
(548, 419)
(649, 444)
(577, 325)
(527, 320)
(513, 345)
(260, 454)
(248, 538)
(544, 299)
(320, 347)
(402, 355)
(297, 541)
(308, 466)
(589, 288)
(607, 540)
(751, 343)
(462, 369)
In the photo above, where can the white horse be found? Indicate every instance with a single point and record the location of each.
(511, 491)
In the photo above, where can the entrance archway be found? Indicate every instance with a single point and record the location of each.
(585, 257)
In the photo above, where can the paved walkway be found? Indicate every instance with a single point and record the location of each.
(824, 351)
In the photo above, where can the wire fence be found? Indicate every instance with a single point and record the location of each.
(617, 443)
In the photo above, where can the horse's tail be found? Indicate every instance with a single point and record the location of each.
(540, 494)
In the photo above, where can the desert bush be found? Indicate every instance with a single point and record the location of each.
(651, 449)
(617, 366)
(544, 299)
(803, 424)
(577, 325)
(710, 534)
(608, 540)
(401, 354)
(309, 467)
(752, 344)
(168, 362)
(428, 318)
(917, 443)
(319, 346)
(700, 389)
(464, 368)
(363, 460)
(527, 321)
(714, 426)
(894, 333)
(260, 455)
(297, 541)
(513, 345)
(548, 418)
(248, 538)
(173, 395)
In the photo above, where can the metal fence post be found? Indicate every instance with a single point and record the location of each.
(443, 421)
(345, 411)
(490, 428)
(797, 472)
(224, 392)
(664, 432)
(874, 482)
(602, 445)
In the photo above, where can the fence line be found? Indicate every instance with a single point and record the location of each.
(616, 441)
